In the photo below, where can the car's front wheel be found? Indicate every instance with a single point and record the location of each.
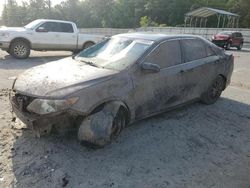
(214, 91)
(19, 49)
(99, 129)
(240, 46)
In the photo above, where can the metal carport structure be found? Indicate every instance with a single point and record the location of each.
(200, 17)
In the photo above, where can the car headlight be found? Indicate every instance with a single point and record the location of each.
(4, 35)
(42, 106)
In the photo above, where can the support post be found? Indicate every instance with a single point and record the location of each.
(218, 25)
(224, 20)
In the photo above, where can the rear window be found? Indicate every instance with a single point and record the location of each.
(66, 28)
(193, 49)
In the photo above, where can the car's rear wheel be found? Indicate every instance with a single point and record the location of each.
(19, 49)
(214, 91)
(228, 46)
(240, 46)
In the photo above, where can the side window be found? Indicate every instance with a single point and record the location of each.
(209, 49)
(193, 49)
(66, 28)
(51, 26)
(166, 54)
(47, 26)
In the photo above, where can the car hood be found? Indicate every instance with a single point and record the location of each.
(12, 29)
(60, 78)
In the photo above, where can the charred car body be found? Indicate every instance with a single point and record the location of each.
(118, 81)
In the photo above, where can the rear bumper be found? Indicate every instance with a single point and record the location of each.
(4, 45)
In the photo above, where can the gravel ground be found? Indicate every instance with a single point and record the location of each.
(196, 146)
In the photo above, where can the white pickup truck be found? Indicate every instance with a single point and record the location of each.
(44, 35)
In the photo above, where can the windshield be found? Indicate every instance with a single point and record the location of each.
(33, 24)
(116, 53)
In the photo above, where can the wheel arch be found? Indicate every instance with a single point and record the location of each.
(99, 106)
(21, 39)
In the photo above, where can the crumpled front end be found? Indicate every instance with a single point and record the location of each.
(42, 124)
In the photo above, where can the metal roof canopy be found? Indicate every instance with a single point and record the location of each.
(205, 12)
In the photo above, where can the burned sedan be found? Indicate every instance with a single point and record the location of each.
(118, 81)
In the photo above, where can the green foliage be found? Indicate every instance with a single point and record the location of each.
(118, 13)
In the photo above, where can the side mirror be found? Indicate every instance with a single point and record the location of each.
(150, 67)
(41, 30)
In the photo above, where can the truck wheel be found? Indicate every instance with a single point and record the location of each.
(240, 46)
(214, 92)
(87, 45)
(19, 49)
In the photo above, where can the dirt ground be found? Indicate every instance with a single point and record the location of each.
(197, 146)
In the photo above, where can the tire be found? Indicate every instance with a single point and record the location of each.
(94, 135)
(119, 124)
(240, 47)
(87, 45)
(19, 49)
(228, 46)
(214, 91)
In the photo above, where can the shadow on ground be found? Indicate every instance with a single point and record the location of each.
(196, 146)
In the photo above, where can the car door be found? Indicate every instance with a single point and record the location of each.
(156, 91)
(67, 36)
(199, 68)
(46, 36)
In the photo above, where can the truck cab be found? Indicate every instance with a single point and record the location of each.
(46, 35)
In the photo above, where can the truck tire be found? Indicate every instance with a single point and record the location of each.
(19, 49)
(87, 45)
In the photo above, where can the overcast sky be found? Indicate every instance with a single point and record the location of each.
(54, 2)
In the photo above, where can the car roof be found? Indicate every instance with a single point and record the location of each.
(154, 36)
(51, 20)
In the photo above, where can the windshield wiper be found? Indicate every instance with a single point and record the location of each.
(89, 63)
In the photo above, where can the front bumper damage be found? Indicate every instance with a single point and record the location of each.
(59, 122)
